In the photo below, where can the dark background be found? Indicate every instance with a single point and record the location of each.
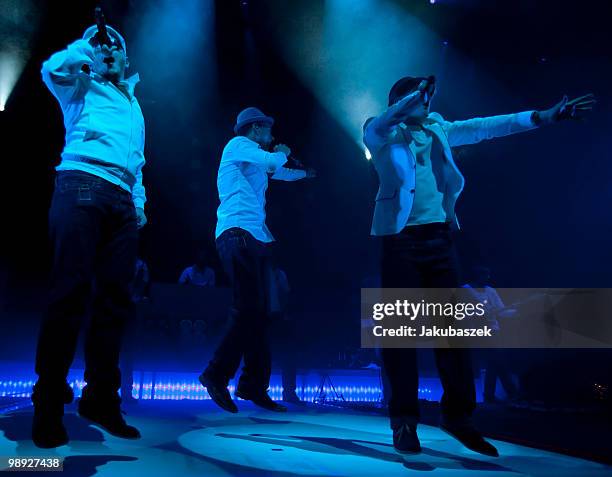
(536, 207)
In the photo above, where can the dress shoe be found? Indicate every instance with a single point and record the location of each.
(108, 415)
(464, 431)
(218, 393)
(405, 439)
(260, 399)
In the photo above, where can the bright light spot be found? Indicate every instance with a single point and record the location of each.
(368, 154)
(432, 1)
(11, 66)
(350, 59)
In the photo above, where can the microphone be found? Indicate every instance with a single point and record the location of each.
(102, 35)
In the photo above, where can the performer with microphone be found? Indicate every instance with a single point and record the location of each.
(243, 242)
(414, 214)
(97, 208)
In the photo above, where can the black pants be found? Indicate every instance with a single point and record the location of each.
(286, 344)
(94, 235)
(423, 256)
(247, 263)
(497, 367)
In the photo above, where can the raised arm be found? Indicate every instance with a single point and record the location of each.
(378, 129)
(67, 70)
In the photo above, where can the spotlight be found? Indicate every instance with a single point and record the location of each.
(368, 155)
(10, 69)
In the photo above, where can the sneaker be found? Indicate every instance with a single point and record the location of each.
(464, 431)
(219, 394)
(405, 439)
(107, 415)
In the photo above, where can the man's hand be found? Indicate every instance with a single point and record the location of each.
(141, 218)
(311, 173)
(282, 148)
(575, 109)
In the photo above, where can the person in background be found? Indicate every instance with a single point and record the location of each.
(286, 336)
(140, 292)
(199, 274)
(480, 291)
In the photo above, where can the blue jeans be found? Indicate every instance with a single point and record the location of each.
(93, 231)
(247, 262)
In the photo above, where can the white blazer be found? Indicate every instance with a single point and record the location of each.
(394, 155)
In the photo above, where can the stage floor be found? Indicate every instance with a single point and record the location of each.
(184, 438)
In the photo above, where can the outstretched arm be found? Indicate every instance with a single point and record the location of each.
(475, 130)
(242, 149)
(286, 174)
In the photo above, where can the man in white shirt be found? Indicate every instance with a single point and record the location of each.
(97, 208)
(414, 213)
(243, 242)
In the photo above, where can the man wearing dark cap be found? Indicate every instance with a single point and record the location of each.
(243, 242)
(97, 207)
(414, 214)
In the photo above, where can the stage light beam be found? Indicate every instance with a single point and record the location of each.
(11, 67)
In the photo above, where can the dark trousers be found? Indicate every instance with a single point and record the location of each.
(93, 231)
(497, 368)
(287, 346)
(247, 263)
(423, 256)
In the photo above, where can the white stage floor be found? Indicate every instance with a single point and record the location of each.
(185, 438)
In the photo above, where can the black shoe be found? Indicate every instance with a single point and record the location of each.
(108, 416)
(260, 399)
(219, 394)
(405, 439)
(48, 430)
(291, 397)
(464, 431)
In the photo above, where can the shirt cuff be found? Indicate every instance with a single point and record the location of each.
(524, 119)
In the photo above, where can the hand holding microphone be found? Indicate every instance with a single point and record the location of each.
(283, 148)
(293, 162)
(102, 38)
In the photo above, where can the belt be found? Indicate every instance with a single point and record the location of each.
(112, 169)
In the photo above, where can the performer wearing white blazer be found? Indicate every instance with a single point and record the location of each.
(414, 213)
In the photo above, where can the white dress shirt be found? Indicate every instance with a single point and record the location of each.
(242, 183)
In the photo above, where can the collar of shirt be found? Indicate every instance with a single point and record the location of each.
(130, 83)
